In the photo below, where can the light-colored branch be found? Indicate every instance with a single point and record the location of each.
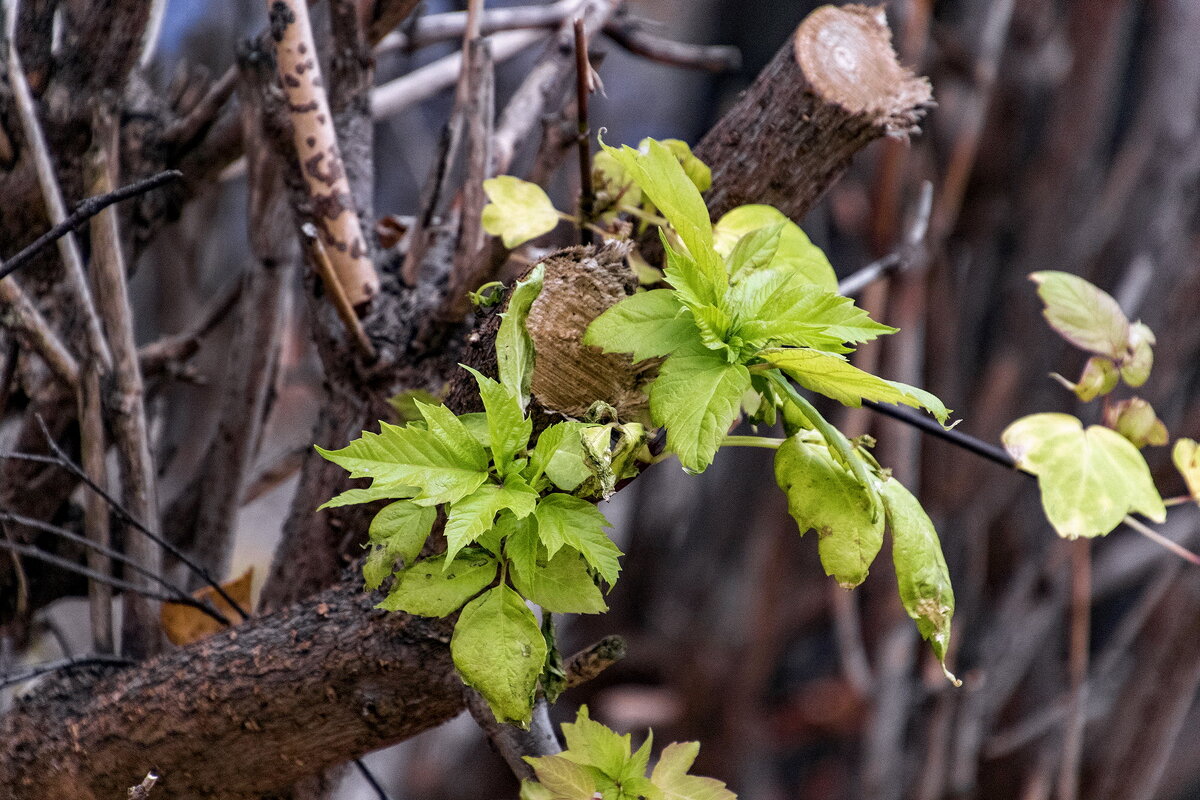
(22, 316)
(95, 512)
(126, 406)
(317, 152)
(68, 247)
(433, 28)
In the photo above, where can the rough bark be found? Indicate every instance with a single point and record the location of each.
(832, 89)
(240, 714)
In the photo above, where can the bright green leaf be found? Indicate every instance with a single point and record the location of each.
(472, 515)
(1186, 457)
(647, 325)
(754, 251)
(921, 570)
(559, 455)
(803, 315)
(435, 588)
(1089, 479)
(697, 397)
(1083, 314)
(508, 427)
(838, 379)
(670, 776)
(398, 531)
(824, 496)
(795, 252)
(444, 463)
(514, 346)
(518, 211)
(499, 651)
(377, 491)
(560, 584)
(696, 170)
(594, 745)
(566, 520)
(558, 778)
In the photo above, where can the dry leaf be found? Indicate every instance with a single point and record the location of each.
(184, 624)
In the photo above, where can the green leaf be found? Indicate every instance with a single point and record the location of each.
(435, 587)
(558, 778)
(405, 404)
(1083, 314)
(499, 650)
(670, 776)
(377, 491)
(1089, 479)
(754, 251)
(594, 745)
(398, 531)
(518, 211)
(477, 424)
(559, 455)
(696, 170)
(663, 180)
(560, 584)
(647, 325)
(838, 379)
(1134, 418)
(1135, 369)
(613, 184)
(824, 496)
(795, 252)
(443, 462)
(803, 315)
(475, 513)
(1100, 376)
(566, 520)
(514, 346)
(1186, 457)
(921, 570)
(697, 397)
(508, 427)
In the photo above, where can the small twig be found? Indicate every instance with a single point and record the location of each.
(593, 659)
(371, 780)
(1158, 538)
(64, 663)
(955, 437)
(197, 120)
(631, 34)
(906, 256)
(182, 598)
(142, 790)
(345, 310)
(855, 282)
(1081, 613)
(82, 213)
(583, 88)
(28, 323)
(433, 28)
(97, 523)
(155, 356)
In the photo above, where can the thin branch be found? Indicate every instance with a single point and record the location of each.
(319, 257)
(433, 28)
(34, 329)
(181, 598)
(97, 522)
(583, 88)
(632, 34)
(1080, 637)
(156, 356)
(371, 780)
(955, 437)
(196, 122)
(82, 213)
(65, 663)
(855, 282)
(1158, 538)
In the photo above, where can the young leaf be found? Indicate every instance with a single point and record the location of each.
(443, 464)
(559, 456)
(663, 180)
(790, 314)
(499, 650)
(518, 211)
(754, 251)
(921, 570)
(398, 531)
(697, 397)
(1100, 376)
(670, 776)
(508, 427)
(475, 513)
(836, 378)
(647, 325)
(696, 170)
(1089, 479)
(824, 496)
(1135, 419)
(560, 584)
(566, 520)
(436, 587)
(376, 491)
(1082, 314)
(594, 745)
(1186, 457)
(558, 778)
(1135, 369)
(795, 251)
(514, 346)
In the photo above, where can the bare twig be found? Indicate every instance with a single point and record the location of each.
(334, 212)
(96, 519)
(433, 28)
(1081, 613)
(632, 34)
(139, 478)
(82, 213)
(196, 122)
(27, 322)
(65, 663)
(1158, 538)
(174, 348)
(345, 309)
(583, 88)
